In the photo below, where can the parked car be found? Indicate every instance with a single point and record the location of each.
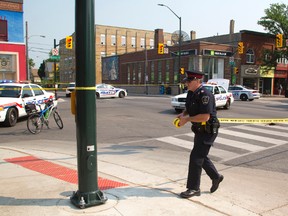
(243, 93)
(14, 96)
(70, 88)
(108, 91)
(222, 97)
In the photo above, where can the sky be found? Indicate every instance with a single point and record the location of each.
(55, 19)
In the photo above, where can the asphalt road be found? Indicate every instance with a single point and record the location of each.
(144, 124)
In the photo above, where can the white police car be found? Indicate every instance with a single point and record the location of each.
(222, 97)
(242, 93)
(13, 98)
(108, 91)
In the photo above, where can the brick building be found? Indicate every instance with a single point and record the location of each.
(216, 56)
(109, 41)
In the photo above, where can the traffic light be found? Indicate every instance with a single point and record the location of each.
(279, 40)
(182, 71)
(240, 48)
(69, 43)
(160, 48)
(236, 70)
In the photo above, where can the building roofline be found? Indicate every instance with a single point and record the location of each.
(256, 33)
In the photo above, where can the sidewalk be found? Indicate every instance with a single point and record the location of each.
(30, 185)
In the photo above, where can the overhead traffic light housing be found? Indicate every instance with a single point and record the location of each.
(279, 40)
(240, 47)
(160, 48)
(182, 70)
(69, 42)
(236, 70)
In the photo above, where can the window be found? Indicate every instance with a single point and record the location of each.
(37, 90)
(142, 42)
(128, 74)
(151, 43)
(113, 40)
(103, 54)
(102, 39)
(152, 73)
(139, 72)
(159, 72)
(27, 91)
(123, 41)
(222, 90)
(167, 72)
(250, 56)
(133, 41)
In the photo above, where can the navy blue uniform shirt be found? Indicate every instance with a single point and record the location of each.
(201, 101)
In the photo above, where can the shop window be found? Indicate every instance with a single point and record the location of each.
(152, 73)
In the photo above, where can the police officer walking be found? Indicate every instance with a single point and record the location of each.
(201, 112)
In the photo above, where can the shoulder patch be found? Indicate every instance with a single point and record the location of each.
(205, 100)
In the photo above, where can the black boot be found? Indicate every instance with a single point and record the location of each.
(215, 183)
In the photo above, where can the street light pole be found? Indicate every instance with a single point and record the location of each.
(28, 75)
(179, 43)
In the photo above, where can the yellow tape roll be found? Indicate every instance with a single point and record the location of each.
(176, 122)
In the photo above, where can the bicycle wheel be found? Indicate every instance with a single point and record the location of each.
(58, 119)
(34, 124)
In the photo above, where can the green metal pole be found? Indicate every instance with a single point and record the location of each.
(88, 193)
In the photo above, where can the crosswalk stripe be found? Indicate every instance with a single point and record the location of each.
(266, 131)
(237, 144)
(188, 145)
(251, 136)
(176, 141)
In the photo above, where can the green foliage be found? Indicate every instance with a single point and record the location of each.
(276, 19)
(31, 63)
(41, 70)
(275, 22)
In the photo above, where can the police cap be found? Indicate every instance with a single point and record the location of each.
(191, 75)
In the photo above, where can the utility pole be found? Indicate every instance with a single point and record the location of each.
(88, 193)
(55, 78)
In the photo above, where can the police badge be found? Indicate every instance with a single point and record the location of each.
(205, 100)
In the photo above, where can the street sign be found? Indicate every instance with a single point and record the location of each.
(185, 52)
(55, 52)
(55, 57)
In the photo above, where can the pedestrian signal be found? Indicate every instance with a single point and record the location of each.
(182, 70)
(279, 40)
(69, 43)
(240, 48)
(160, 48)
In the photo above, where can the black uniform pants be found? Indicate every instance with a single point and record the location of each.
(199, 159)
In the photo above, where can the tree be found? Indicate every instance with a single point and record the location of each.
(276, 19)
(41, 70)
(31, 63)
(275, 22)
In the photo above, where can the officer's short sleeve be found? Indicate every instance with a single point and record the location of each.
(206, 102)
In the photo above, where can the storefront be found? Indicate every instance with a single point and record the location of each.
(12, 61)
(281, 77)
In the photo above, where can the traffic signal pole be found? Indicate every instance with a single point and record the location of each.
(88, 193)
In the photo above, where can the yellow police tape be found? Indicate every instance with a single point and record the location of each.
(252, 121)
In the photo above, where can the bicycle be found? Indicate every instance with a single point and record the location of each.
(37, 119)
